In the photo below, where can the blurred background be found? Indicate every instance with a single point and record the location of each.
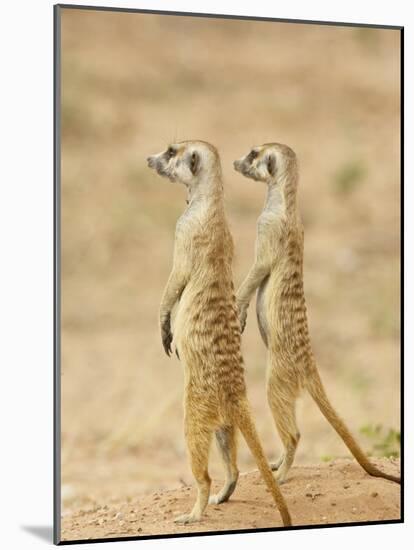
(131, 83)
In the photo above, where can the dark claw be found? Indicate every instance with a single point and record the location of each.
(176, 353)
(166, 336)
(166, 342)
(243, 323)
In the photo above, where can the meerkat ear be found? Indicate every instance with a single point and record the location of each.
(194, 163)
(271, 165)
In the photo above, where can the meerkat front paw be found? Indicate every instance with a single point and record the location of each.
(166, 335)
(242, 318)
(243, 324)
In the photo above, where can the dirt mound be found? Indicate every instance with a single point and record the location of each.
(337, 492)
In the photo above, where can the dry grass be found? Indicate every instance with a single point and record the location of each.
(131, 83)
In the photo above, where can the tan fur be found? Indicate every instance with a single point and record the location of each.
(277, 274)
(206, 328)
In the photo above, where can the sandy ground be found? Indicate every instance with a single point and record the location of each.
(338, 492)
(130, 84)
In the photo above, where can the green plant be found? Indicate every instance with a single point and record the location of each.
(348, 176)
(383, 442)
(327, 458)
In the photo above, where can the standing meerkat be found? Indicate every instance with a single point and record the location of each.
(277, 274)
(206, 327)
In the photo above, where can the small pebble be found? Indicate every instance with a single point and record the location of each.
(374, 494)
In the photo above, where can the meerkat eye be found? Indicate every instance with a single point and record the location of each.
(170, 152)
(252, 155)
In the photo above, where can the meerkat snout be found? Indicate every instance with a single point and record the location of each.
(237, 165)
(160, 162)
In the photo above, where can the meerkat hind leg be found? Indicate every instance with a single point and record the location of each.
(198, 442)
(227, 446)
(283, 407)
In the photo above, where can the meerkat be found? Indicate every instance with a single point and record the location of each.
(206, 327)
(277, 274)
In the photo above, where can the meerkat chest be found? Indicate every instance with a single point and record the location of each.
(267, 221)
(271, 217)
(269, 234)
(191, 217)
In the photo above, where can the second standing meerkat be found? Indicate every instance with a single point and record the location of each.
(206, 328)
(277, 275)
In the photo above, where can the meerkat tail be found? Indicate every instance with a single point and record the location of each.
(248, 430)
(315, 387)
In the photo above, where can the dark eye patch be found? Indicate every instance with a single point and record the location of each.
(170, 152)
(252, 155)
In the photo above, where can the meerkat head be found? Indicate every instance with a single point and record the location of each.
(185, 162)
(266, 162)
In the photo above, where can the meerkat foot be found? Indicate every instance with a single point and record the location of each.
(281, 474)
(274, 466)
(281, 480)
(186, 519)
(219, 498)
(224, 495)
